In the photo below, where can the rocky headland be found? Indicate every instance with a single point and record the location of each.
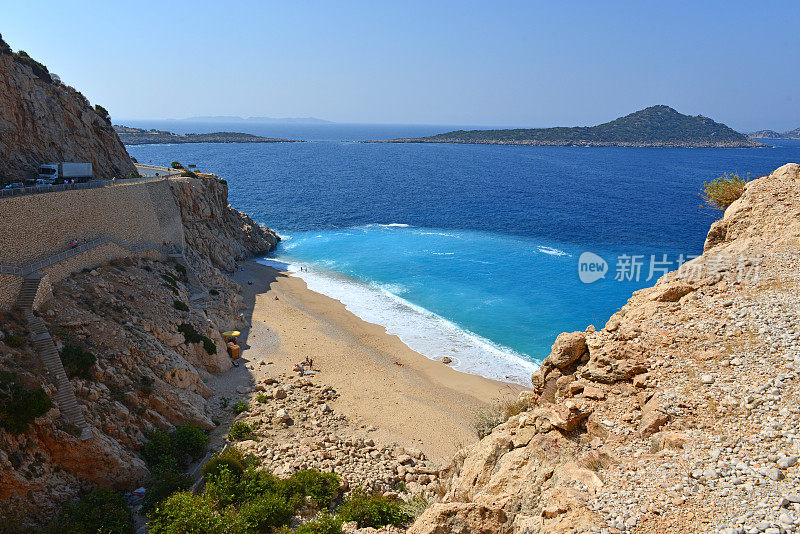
(139, 136)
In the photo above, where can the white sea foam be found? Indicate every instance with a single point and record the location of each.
(552, 251)
(423, 331)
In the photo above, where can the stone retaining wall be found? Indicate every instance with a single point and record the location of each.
(36, 227)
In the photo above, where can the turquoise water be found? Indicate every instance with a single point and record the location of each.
(468, 251)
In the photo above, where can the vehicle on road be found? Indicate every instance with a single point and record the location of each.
(64, 170)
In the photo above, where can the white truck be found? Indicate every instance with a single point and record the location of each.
(64, 171)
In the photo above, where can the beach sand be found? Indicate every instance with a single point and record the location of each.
(421, 403)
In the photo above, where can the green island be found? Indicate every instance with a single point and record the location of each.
(656, 126)
(138, 136)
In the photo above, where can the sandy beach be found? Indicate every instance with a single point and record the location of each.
(386, 389)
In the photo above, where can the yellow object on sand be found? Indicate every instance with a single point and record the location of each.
(231, 333)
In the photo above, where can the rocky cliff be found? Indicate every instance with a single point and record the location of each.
(148, 373)
(679, 415)
(43, 120)
(215, 233)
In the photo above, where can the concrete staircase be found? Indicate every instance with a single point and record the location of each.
(65, 395)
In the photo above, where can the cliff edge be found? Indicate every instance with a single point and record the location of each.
(679, 415)
(43, 120)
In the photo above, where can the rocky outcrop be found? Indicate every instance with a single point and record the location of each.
(677, 416)
(214, 231)
(147, 376)
(44, 120)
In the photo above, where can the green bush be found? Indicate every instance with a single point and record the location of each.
(321, 488)
(498, 413)
(324, 523)
(37, 68)
(77, 361)
(103, 112)
(213, 292)
(188, 439)
(240, 407)
(263, 513)
(172, 451)
(189, 174)
(225, 488)
(231, 459)
(100, 511)
(262, 398)
(176, 165)
(373, 510)
(185, 513)
(190, 335)
(181, 269)
(182, 306)
(239, 431)
(720, 193)
(14, 341)
(165, 482)
(19, 406)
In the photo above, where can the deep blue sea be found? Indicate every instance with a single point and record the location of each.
(468, 251)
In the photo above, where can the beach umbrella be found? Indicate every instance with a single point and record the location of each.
(231, 333)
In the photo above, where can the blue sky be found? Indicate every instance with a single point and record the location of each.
(430, 62)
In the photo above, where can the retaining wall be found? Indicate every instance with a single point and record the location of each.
(35, 227)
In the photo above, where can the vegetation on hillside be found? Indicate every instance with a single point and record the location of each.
(20, 404)
(720, 193)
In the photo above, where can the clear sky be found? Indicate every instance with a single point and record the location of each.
(435, 62)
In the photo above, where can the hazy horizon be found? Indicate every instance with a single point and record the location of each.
(420, 63)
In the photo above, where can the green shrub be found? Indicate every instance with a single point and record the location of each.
(321, 488)
(181, 269)
(262, 398)
(213, 292)
(185, 513)
(172, 451)
(231, 459)
(157, 449)
(324, 523)
(190, 335)
(182, 306)
(188, 439)
(373, 510)
(19, 406)
(77, 361)
(225, 488)
(240, 407)
(165, 482)
(100, 511)
(720, 193)
(14, 341)
(103, 112)
(176, 165)
(263, 513)
(239, 431)
(189, 174)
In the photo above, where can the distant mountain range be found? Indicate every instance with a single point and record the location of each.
(263, 120)
(139, 136)
(656, 126)
(770, 134)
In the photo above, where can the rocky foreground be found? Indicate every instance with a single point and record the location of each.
(679, 415)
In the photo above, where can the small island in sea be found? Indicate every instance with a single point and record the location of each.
(772, 134)
(139, 136)
(656, 126)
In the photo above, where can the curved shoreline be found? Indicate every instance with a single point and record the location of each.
(382, 382)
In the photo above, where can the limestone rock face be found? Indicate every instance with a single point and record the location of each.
(42, 120)
(213, 230)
